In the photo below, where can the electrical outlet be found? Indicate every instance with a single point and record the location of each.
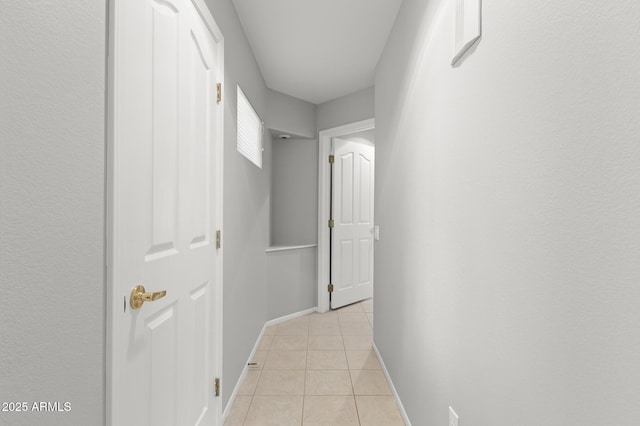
(453, 417)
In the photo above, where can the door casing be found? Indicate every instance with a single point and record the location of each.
(113, 301)
(324, 193)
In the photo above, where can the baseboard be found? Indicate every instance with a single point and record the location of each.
(289, 317)
(403, 413)
(269, 323)
(236, 388)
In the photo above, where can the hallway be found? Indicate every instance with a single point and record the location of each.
(318, 369)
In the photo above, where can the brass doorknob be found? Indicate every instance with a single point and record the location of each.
(139, 296)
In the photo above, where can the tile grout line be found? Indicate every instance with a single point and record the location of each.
(270, 352)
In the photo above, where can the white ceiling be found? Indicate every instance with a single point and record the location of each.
(317, 50)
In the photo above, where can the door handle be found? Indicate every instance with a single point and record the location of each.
(139, 296)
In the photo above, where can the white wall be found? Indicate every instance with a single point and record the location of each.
(52, 177)
(348, 109)
(246, 205)
(507, 198)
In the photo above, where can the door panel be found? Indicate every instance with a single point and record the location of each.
(365, 268)
(346, 264)
(161, 361)
(165, 128)
(365, 197)
(200, 116)
(199, 318)
(165, 71)
(352, 243)
(345, 207)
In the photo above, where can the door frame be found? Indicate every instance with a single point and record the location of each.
(113, 302)
(324, 174)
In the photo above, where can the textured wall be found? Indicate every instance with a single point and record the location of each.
(52, 155)
(507, 194)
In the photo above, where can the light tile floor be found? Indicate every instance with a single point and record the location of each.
(318, 369)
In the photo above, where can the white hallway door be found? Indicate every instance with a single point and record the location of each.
(352, 213)
(165, 353)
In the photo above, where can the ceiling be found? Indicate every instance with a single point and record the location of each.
(317, 50)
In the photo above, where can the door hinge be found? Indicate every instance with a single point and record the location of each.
(217, 386)
(219, 92)
(218, 239)
(330, 288)
(331, 223)
(332, 159)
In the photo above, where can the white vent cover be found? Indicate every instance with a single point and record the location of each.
(249, 130)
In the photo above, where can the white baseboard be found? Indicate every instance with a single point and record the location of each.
(403, 413)
(290, 317)
(269, 323)
(236, 388)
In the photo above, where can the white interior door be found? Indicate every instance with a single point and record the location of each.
(351, 235)
(165, 354)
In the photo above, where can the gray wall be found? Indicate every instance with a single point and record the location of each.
(52, 177)
(52, 156)
(290, 115)
(246, 205)
(366, 136)
(347, 109)
(507, 198)
(292, 281)
(294, 192)
(294, 206)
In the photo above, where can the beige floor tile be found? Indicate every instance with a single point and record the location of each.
(356, 328)
(357, 343)
(259, 358)
(351, 316)
(297, 326)
(325, 343)
(265, 342)
(233, 421)
(324, 314)
(370, 318)
(355, 307)
(270, 331)
(363, 360)
(328, 382)
(330, 411)
(275, 411)
(304, 319)
(378, 411)
(369, 382)
(238, 411)
(286, 360)
(320, 320)
(325, 329)
(326, 360)
(367, 305)
(281, 382)
(248, 385)
(289, 343)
